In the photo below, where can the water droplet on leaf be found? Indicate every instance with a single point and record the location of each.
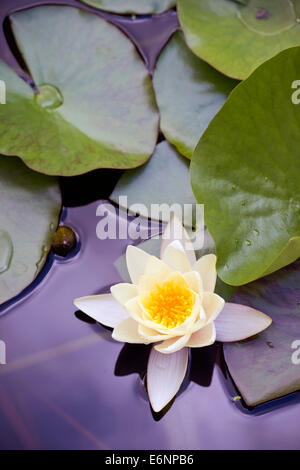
(49, 97)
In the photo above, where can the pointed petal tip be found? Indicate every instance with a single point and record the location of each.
(165, 375)
(238, 322)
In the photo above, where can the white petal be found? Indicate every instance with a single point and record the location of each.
(151, 335)
(102, 308)
(173, 344)
(136, 260)
(206, 267)
(127, 332)
(237, 322)
(164, 376)
(134, 309)
(194, 281)
(123, 292)
(203, 337)
(213, 305)
(176, 231)
(147, 284)
(157, 268)
(176, 259)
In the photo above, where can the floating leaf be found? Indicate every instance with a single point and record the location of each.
(164, 180)
(140, 7)
(236, 38)
(263, 367)
(189, 93)
(245, 170)
(96, 103)
(30, 208)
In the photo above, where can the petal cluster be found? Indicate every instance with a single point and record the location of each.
(166, 302)
(171, 303)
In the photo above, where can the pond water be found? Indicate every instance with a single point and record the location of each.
(67, 384)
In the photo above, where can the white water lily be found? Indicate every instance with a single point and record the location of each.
(171, 303)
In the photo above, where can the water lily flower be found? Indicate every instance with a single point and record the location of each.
(171, 304)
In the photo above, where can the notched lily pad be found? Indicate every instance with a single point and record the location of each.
(189, 93)
(262, 367)
(96, 107)
(140, 7)
(30, 208)
(245, 170)
(236, 38)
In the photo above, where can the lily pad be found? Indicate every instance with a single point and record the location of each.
(30, 208)
(245, 170)
(163, 182)
(189, 93)
(140, 7)
(236, 38)
(263, 367)
(96, 107)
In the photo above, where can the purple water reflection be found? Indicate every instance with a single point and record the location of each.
(61, 387)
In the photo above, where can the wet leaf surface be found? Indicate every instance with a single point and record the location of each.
(189, 93)
(236, 38)
(96, 106)
(245, 170)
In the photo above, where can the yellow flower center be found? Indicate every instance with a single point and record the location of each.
(170, 304)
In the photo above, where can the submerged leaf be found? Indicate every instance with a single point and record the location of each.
(30, 208)
(236, 38)
(245, 170)
(96, 107)
(189, 93)
(141, 7)
(263, 367)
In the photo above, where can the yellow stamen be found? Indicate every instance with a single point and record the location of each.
(170, 304)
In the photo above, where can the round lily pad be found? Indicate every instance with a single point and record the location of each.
(30, 208)
(96, 106)
(189, 93)
(245, 170)
(140, 7)
(236, 37)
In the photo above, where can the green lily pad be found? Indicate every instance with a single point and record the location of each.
(236, 38)
(30, 209)
(266, 367)
(245, 170)
(96, 107)
(189, 93)
(140, 7)
(163, 182)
